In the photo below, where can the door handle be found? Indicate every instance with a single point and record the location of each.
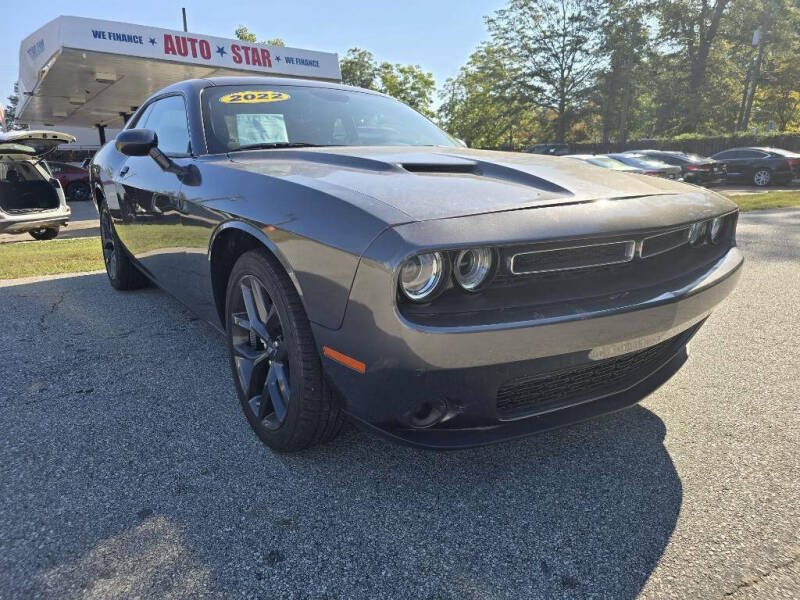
(124, 170)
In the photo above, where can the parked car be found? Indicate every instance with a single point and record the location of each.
(551, 149)
(601, 160)
(760, 166)
(442, 296)
(74, 180)
(31, 199)
(649, 166)
(694, 168)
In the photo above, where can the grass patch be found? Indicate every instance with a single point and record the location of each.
(30, 259)
(766, 200)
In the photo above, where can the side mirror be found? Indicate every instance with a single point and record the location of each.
(136, 142)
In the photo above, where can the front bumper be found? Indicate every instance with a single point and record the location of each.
(21, 222)
(408, 365)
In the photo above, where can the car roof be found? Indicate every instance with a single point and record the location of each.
(195, 85)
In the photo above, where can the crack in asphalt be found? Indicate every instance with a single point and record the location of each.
(756, 579)
(53, 308)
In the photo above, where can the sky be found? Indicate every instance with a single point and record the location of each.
(439, 35)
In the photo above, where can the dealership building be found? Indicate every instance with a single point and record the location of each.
(87, 76)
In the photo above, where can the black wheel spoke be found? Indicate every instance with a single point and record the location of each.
(278, 389)
(260, 353)
(251, 305)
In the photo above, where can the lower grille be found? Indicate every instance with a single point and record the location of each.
(538, 393)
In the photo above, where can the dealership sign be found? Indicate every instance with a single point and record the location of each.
(77, 33)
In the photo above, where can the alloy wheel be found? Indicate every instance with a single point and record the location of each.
(260, 353)
(762, 177)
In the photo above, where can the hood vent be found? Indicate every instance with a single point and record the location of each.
(434, 168)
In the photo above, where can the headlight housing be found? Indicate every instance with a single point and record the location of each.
(715, 229)
(696, 233)
(423, 276)
(472, 267)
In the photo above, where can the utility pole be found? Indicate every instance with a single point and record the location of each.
(754, 71)
(183, 11)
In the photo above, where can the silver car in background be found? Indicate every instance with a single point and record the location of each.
(31, 199)
(649, 165)
(601, 160)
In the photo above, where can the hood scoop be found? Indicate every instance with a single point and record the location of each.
(434, 168)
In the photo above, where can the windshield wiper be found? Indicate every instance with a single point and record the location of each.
(268, 145)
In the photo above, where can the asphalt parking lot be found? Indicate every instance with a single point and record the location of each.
(127, 469)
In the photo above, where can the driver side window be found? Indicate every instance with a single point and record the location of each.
(167, 117)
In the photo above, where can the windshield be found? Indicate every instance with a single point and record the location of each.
(274, 116)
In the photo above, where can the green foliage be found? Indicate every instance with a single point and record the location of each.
(554, 45)
(359, 68)
(609, 71)
(11, 111)
(244, 34)
(407, 83)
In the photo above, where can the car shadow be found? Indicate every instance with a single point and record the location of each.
(130, 470)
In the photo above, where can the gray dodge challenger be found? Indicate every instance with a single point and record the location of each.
(364, 264)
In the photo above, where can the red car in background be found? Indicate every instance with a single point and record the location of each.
(74, 180)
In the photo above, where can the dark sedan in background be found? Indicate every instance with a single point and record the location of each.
(648, 165)
(442, 296)
(760, 166)
(694, 168)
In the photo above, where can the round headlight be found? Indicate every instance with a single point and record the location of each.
(421, 275)
(696, 233)
(715, 230)
(472, 267)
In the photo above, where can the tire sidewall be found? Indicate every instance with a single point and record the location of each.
(49, 233)
(257, 265)
(105, 214)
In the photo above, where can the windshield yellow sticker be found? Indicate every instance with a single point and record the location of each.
(253, 97)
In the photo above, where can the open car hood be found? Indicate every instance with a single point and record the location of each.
(42, 141)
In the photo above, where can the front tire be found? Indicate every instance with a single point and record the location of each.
(45, 233)
(274, 359)
(121, 272)
(762, 177)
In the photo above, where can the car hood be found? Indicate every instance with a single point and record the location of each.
(434, 182)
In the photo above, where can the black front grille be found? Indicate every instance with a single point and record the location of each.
(664, 242)
(538, 393)
(579, 257)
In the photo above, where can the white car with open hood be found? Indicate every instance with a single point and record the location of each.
(31, 199)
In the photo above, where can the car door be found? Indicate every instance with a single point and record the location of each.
(149, 218)
(734, 159)
(751, 161)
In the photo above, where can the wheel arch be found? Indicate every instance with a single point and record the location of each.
(229, 241)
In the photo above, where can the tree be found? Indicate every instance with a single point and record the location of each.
(407, 83)
(778, 99)
(244, 34)
(359, 69)
(11, 111)
(624, 40)
(555, 45)
(480, 107)
(691, 26)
